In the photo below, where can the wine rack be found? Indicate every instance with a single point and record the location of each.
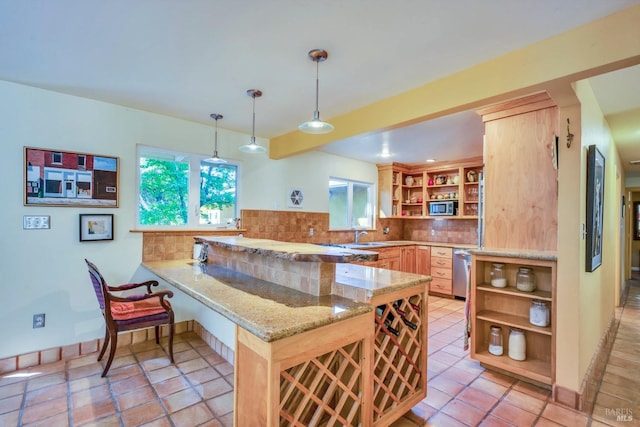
(400, 354)
(325, 390)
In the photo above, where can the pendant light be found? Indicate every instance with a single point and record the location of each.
(316, 126)
(252, 147)
(215, 158)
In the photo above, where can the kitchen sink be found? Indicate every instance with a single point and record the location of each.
(362, 245)
(352, 245)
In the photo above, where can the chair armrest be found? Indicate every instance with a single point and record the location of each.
(159, 294)
(127, 286)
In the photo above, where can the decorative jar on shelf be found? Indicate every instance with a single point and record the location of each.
(408, 180)
(498, 279)
(495, 341)
(539, 314)
(517, 344)
(525, 280)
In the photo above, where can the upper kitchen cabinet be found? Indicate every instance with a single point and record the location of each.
(420, 191)
(520, 180)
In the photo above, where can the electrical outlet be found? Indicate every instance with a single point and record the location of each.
(311, 232)
(433, 232)
(31, 222)
(38, 320)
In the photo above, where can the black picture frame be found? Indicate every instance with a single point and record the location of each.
(96, 227)
(595, 208)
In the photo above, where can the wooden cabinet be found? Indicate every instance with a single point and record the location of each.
(520, 212)
(470, 194)
(509, 308)
(388, 258)
(441, 270)
(423, 260)
(408, 259)
(406, 191)
(412, 194)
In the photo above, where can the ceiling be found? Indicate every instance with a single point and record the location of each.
(191, 58)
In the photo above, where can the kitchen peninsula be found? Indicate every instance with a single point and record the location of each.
(319, 341)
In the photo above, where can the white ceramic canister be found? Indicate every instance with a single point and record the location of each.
(517, 344)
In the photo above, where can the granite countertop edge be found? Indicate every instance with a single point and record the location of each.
(264, 332)
(515, 253)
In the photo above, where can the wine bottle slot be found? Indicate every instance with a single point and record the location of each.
(410, 324)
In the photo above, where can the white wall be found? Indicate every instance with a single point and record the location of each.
(43, 271)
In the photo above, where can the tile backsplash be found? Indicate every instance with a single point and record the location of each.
(294, 226)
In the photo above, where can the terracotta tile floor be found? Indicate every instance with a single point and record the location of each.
(143, 388)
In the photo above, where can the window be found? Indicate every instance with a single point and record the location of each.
(56, 158)
(168, 196)
(350, 204)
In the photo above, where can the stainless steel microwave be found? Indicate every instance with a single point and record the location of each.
(443, 208)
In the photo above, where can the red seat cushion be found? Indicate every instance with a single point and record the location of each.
(136, 309)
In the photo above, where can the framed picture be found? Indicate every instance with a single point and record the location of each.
(96, 227)
(64, 178)
(595, 208)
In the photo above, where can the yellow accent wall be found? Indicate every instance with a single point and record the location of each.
(604, 45)
(554, 65)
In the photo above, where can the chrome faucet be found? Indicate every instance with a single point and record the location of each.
(358, 234)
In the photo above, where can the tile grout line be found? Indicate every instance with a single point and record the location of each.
(154, 391)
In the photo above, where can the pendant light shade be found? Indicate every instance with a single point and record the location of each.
(215, 158)
(252, 147)
(317, 126)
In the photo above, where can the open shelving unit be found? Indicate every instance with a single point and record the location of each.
(509, 307)
(402, 198)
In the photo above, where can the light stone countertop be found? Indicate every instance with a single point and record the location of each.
(377, 281)
(267, 310)
(299, 252)
(270, 311)
(515, 253)
(398, 243)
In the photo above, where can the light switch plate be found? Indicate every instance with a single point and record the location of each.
(32, 222)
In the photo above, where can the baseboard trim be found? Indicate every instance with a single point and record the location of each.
(67, 352)
(595, 371)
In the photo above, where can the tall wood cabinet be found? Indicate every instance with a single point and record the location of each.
(520, 180)
(509, 307)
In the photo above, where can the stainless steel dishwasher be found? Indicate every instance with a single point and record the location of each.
(461, 267)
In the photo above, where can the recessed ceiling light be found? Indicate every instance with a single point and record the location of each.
(430, 160)
(385, 154)
(634, 162)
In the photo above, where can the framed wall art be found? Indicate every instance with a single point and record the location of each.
(96, 227)
(64, 178)
(595, 208)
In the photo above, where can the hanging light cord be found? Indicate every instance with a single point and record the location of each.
(253, 127)
(316, 114)
(215, 151)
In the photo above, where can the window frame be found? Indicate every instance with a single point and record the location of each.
(193, 193)
(372, 202)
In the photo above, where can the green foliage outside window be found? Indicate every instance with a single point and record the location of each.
(164, 190)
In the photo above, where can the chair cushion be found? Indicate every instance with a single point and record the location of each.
(157, 319)
(136, 309)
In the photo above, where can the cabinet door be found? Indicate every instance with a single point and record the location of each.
(408, 259)
(423, 260)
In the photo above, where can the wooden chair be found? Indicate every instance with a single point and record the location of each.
(132, 312)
